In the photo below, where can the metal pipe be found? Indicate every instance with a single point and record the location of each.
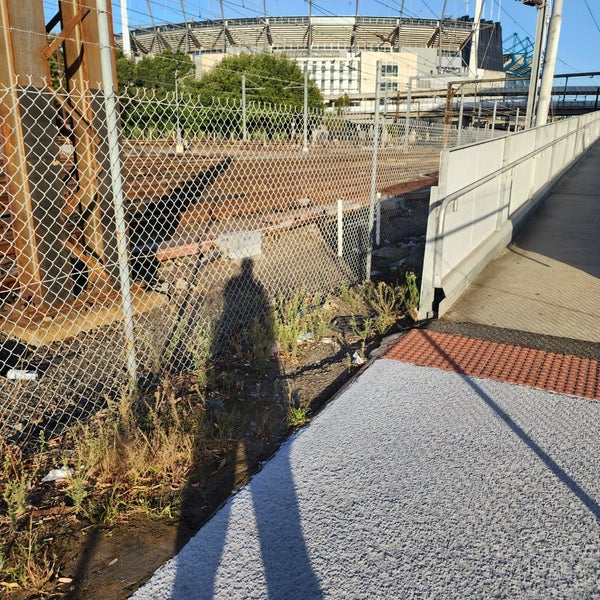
(373, 194)
(534, 77)
(474, 53)
(110, 105)
(549, 63)
(125, 29)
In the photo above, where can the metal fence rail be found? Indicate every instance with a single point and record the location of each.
(221, 206)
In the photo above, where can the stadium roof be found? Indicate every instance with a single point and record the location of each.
(298, 33)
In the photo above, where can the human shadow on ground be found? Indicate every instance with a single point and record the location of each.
(257, 534)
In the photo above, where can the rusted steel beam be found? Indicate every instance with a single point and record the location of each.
(83, 72)
(30, 144)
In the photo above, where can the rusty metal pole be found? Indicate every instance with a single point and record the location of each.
(447, 116)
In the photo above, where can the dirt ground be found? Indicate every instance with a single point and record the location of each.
(110, 563)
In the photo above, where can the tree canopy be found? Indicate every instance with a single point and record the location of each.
(157, 72)
(270, 78)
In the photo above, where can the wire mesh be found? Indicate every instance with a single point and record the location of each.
(224, 204)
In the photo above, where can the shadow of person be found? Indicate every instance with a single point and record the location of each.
(254, 545)
(246, 322)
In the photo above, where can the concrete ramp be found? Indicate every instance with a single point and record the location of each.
(548, 280)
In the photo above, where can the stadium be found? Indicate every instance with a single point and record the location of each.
(340, 53)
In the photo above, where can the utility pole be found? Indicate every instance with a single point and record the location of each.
(534, 77)
(373, 194)
(178, 140)
(305, 111)
(474, 53)
(125, 29)
(244, 116)
(549, 63)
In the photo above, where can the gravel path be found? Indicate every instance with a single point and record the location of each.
(414, 483)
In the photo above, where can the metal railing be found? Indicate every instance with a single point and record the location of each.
(499, 200)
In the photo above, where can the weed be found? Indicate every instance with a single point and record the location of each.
(287, 321)
(107, 511)
(363, 328)
(350, 296)
(298, 415)
(317, 319)
(29, 563)
(77, 492)
(260, 342)
(227, 426)
(411, 297)
(15, 494)
(17, 483)
(300, 314)
(199, 345)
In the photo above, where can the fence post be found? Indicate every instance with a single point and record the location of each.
(340, 227)
(110, 105)
(305, 112)
(378, 220)
(373, 195)
(460, 116)
(244, 117)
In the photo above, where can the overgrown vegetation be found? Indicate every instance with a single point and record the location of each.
(142, 452)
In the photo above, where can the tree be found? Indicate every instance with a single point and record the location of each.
(341, 103)
(270, 78)
(156, 72)
(125, 70)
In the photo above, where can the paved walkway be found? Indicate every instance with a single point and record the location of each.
(464, 463)
(548, 280)
(416, 482)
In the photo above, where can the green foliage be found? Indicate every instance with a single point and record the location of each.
(298, 415)
(270, 79)
(125, 70)
(342, 102)
(301, 313)
(157, 72)
(199, 344)
(411, 296)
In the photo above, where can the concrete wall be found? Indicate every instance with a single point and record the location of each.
(486, 191)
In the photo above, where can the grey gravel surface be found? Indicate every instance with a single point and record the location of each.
(413, 483)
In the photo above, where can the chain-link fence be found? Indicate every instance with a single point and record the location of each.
(225, 205)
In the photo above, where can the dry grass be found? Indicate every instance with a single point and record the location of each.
(139, 453)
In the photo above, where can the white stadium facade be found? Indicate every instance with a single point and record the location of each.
(342, 53)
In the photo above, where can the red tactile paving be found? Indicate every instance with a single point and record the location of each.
(550, 371)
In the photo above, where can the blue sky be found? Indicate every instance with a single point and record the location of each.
(580, 32)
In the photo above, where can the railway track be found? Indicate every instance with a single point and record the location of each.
(261, 180)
